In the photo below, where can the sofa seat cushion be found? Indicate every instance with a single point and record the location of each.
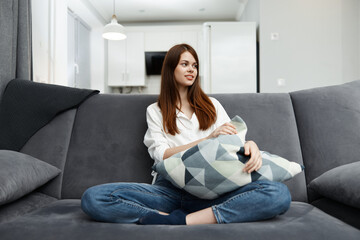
(345, 213)
(24, 205)
(64, 219)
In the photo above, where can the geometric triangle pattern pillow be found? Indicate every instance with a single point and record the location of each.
(214, 166)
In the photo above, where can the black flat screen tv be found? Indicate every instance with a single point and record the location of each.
(154, 62)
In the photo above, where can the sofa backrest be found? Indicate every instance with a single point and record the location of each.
(328, 120)
(102, 141)
(107, 143)
(107, 138)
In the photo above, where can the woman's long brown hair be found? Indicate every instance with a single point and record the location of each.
(169, 94)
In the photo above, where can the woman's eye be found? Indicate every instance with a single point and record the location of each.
(195, 66)
(184, 64)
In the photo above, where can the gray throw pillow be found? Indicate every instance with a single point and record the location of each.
(21, 174)
(341, 184)
(214, 166)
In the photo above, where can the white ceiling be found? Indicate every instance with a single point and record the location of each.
(136, 11)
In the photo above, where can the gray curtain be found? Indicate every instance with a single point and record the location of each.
(15, 41)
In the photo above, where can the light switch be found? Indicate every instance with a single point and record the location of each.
(281, 82)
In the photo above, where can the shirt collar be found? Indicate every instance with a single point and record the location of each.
(180, 114)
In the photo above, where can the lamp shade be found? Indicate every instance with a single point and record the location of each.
(114, 30)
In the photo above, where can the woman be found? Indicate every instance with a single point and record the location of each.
(183, 117)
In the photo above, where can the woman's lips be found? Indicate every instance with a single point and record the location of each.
(189, 77)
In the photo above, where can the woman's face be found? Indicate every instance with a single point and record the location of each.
(186, 71)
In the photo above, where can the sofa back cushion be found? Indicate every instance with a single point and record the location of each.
(328, 120)
(107, 143)
(271, 124)
(107, 139)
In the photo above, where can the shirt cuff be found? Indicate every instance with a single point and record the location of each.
(159, 154)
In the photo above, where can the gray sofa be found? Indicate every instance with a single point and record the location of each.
(102, 141)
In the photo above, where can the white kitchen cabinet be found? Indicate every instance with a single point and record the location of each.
(126, 61)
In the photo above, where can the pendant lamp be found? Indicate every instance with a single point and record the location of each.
(114, 30)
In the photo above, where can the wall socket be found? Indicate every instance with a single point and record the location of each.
(281, 82)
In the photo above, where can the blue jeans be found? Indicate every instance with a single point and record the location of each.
(128, 202)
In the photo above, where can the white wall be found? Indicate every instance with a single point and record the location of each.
(251, 13)
(351, 41)
(308, 52)
(359, 39)
(318, 42)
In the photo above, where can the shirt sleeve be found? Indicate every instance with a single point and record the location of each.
(154, 137)
(221, 115)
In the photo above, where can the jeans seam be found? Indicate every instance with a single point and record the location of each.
(217, 215)
(135, 205)
(216, 210)
(241, 195)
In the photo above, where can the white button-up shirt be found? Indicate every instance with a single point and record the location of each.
(157, 140)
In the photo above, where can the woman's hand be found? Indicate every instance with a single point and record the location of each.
(225, 129)
(255, 161)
